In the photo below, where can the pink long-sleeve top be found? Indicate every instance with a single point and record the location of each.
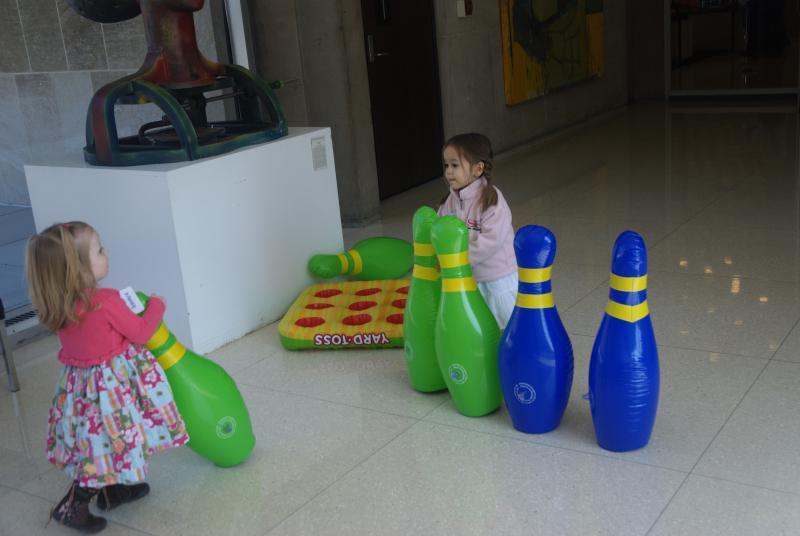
(107, 329)
(491, 235)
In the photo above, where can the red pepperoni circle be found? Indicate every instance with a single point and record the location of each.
(356, 320)
(402, 290)
(395, 319)
(400, 304)
(328, 293)
(367, 291)
(319, 305)
(362, 305)
(310, 322)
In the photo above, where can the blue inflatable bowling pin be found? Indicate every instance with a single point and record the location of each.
(623, 371)
(535, 360)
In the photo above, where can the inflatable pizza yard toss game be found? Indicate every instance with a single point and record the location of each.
(353, 314)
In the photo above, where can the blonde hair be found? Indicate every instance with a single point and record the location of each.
(59, 272)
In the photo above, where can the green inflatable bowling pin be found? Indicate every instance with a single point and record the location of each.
(374, 258)
(216, 418)
(423, 302)
(466, 336)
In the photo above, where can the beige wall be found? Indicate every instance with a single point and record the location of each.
(317, 46)
(471, 72)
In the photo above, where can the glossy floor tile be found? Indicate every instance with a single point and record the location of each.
(709, 506)
(699, 391)
(733, 315)
(302, 446)
(440, 480)
(760, 253)
(760, 444)
(345, 446)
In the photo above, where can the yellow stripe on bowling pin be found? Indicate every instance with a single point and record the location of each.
(358, 265)
(424, 250)
(453, 260)
(535, 301)
(159, 337)
(171, 357)
(627, 313)
(628, 284)
(459, 284)
(535, 275)
(425, 272)
(344, 261)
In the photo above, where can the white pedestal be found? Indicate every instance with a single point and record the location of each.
(225, 239)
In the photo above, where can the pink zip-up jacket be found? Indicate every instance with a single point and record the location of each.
(491, 235)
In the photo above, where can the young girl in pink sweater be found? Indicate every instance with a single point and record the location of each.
(113, 407)
(467, 160)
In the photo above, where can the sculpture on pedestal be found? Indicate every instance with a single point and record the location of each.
(177, 78)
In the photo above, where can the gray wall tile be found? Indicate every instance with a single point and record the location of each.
(13, 56)
(39, 105)
(43, 35)
(13, 144)
(74, 92)
(125, 43)
(83, 40)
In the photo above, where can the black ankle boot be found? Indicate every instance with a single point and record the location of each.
(112, 496)
(73, 511)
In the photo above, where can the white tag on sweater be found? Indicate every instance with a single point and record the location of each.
(130, 298)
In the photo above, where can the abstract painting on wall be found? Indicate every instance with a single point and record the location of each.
(549, 44)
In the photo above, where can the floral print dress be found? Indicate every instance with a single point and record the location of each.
(107, 419)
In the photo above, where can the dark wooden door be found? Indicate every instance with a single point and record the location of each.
(403, 69)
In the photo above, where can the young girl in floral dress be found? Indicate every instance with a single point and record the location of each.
(113, 407)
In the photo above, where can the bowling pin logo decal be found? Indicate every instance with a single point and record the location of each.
(525, 393)
(458, 374)
(226, 427)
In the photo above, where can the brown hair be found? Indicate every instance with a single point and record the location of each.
(59, 272)
(476, 148)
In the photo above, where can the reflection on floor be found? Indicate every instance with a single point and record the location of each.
(737, 71)
(346, 447)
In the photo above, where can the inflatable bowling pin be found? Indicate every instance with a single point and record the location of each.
(216, 418)
(421, 307)
(466, 334)
(374, 258)
(535, 357)
(623, 371)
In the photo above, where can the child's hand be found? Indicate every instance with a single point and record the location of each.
(156, 296)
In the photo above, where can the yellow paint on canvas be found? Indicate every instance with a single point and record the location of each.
(523, 76)
(594, 40)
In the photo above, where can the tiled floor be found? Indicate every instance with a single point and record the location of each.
(346, 447)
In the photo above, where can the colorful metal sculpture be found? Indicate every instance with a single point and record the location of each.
(177, 78)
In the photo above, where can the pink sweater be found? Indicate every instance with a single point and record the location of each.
(107, 330)
(491, 235)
